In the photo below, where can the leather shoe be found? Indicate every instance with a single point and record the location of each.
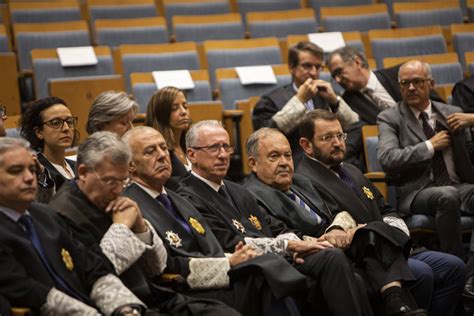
(407, 311)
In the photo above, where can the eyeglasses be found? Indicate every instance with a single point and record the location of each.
(329, 138)
(310, 66)
(113, 182)
(214, 148)
(57, 123)
(417, 82)
(337, 72)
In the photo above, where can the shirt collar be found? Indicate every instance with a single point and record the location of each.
(428, 110)
(213, 185)
(14, 215)
(153, 193)
(372, 82)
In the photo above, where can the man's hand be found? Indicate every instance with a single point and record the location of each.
(441, 140)
(241, 254)
(302, 248)
(307, 90)
(325, 90)
(350, 233)
(460, 120)
(126, 211)
(337, 238)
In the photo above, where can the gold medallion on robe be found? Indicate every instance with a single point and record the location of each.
(173, 239)
(368, 193)
(197, 226)
(67, 259)
(255, 222)
(239, 226)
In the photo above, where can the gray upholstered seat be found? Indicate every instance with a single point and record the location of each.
(443, 17)
(128, 11)
(195, 8)
(132, 35)
(361, 23)
(72, 13)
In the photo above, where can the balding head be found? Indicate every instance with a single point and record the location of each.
(416, 82)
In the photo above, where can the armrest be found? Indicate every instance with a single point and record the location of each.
(379, 179)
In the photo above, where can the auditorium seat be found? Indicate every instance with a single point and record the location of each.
(233, 53)
(29, 36)
(318, 4)
(131, 31)
(143, 87)
(406, 42)
(446, 67)
(45, 11)
(246, 6)
(9, 88)
(281, 23)
(199, 28)
(463, 40)
(80, 92)
(412, 14)
(147, 58)
(46, 66)
(246, 127)
(4, 40)
(469, 57)
(231, 90)
(120, 9)
(355, 18)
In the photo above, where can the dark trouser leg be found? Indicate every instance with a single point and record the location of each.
(449, 274)
(444, 203)
(334, 275)
(422, 288)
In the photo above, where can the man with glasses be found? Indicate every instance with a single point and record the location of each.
(283, 107)
(429, 160)
(367, 92)
(234, 216)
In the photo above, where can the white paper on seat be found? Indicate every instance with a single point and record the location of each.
(328, 41)
(77, 56)
(176, 78)
(256, 75)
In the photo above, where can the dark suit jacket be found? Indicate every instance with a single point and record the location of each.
(281, 206)
(402, 151)
(368, 111)
(194, 244)
(24, 280)
(219, 213)
(271, 103)
(57, 177)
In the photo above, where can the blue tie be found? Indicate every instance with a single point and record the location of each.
(301, 203)
(344, 176)
(26, 221)
(164, 199)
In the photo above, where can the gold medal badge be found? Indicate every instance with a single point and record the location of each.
(255, 222)
(67, 259)
(197, 226)
(368, 193)
(239, 226)
(173, 239)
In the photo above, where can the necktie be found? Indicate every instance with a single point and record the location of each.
(164, 199)
(223, 192)
(32, 234)
(381, 104)
(440, 172)
(301, 203)
(344, 176)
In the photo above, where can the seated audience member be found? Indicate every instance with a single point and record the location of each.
(234, 216)
(42, 266)
(93, 202)
(194, 251)
(283, 107)
(168, 113)
(111, 111)
(49, 126)
(3, 118)
(277, 188)
(367, 92)
(435, 175)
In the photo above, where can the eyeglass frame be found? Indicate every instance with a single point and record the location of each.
(306, 66)
(230, 149)
(112, 182)
(50, 124)
(420, 82)
(330, 138)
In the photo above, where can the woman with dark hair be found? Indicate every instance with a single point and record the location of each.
(49, 126)
(168, 113)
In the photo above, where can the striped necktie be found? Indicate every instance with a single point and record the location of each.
(301, 203)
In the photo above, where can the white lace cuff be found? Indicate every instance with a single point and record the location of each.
(208, 273)
(288, 118)
(344, 220)
(397, 223)
(155, 257)
(109, 293)
(275, 245)
(59, 303)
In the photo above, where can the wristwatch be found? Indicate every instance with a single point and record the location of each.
(335, 106)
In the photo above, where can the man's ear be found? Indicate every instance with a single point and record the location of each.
(191, 155)
(82, 171)
(432, 84)
(253, 164)
(131, 167)
(306, 145)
